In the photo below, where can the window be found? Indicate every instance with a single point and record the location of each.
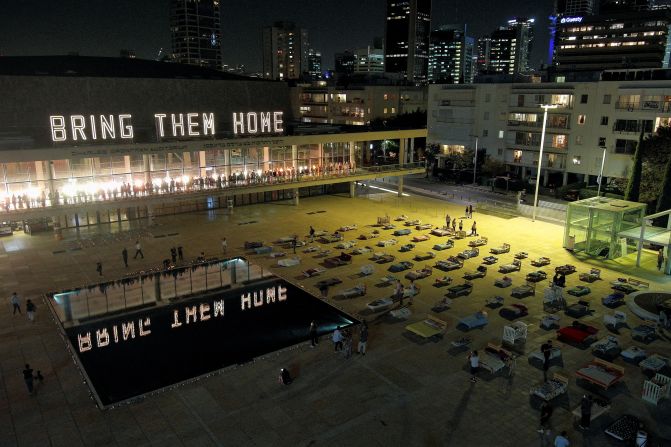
(602, 141)
(583, 99)
(581, 119)
(625, 146)
(578, 139)
(559, 141)
(385, 111)
(560, 79)
(501, 134)
(488, 97)
(485, 133)
(539, 99)
(606, 99)
(517, 156)
(604, 120)
(386, 96)
(486, 116)
(393, 110)
(577, 160)
(520, 100)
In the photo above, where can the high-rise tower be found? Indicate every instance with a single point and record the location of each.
(407, 31)
(196, 32)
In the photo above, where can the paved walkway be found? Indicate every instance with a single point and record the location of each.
(404, 392)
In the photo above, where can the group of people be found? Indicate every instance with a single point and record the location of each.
(30, 379)
(343, 340)
(16, 307)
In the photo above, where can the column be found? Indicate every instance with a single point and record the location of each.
(401, 162)
(146, 168)
(150, 215)
(294, 156)
(58, 229)
(411, 157)
(202, 162)
(227, 163)
(266, 158)
(352, 190)
(400, 186)
(296, 198)
(352, 154)
(546, 177)
(565, 178)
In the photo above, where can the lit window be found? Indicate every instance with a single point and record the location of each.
(581, 119)
(500, 134)
(577, 160)
(385, 111)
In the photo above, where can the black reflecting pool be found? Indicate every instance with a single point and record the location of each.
(129, 355)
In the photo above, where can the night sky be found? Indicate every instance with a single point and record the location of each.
(102, 28)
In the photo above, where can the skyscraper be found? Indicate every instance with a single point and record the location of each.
(510, 46)
(483, 59)
(408, 26)
(196, 32)
(314, 64)
(285, 51)
(451, 55)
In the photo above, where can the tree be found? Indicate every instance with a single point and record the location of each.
(493, 167)
(664, 201)
(633, 190)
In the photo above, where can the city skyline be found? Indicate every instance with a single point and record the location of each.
(97, 29)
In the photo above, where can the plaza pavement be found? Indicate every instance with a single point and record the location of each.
(403, 392)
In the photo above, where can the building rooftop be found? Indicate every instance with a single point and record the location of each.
(108, 67)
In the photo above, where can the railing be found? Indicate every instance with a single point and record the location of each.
(151, 288)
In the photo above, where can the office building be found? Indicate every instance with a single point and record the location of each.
(285, 51)
(196, 32)
(368, 60)
(507, 49)
(344, 62)
(506, 118)
(451, 55)
(314, 64)
(484, 49)
(634, 39)
(407, 31)
(576, 7)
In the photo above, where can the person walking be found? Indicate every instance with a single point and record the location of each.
(312, 234)
(138, 249)
(470, 211)
(180, 253)
(314, 341)
(28, 378)
(16, 303)
(474, 361)
(224, 245)
(660, 259)
(585, 412)
(546, 350)
(363, 338)
(30, 310)
(337, 339)
(99, 268)
(461, 225)
(447, 220)
(454, 224)
(124, 255)
(466, 213)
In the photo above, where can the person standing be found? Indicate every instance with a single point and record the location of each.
(224, 245)
(294, 242)
(314, 341)
(461, 225)
(99, 268)
(16, 303)
(180, 253)
(660, 259)
(447, 220)
(399, 292)
(562, 440)
(28, 378)
(546, 413)
(173, 255)
(546, 350)
(585, 412)
(337, 339)
(474, 361)
(363, 338)
(30, 310)
(124, 255)
(474, 229)
(312, 234)
(454, 224)
(138, 249)
(470, 211)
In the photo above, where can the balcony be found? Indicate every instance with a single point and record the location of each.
(649, 106)
(456, 103)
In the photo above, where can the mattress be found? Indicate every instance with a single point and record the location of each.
(573, 334)
(598, 375)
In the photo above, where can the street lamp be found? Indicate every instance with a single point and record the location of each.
(545, 107)
(603, 162)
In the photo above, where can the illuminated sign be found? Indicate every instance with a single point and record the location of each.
(129, 355)
(168, 125)
(570, 20)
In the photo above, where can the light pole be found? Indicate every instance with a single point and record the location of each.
(545, 107)
(603, 162)
(475, 159)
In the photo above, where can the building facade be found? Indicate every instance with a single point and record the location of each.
(631, 39)
(196, 32)
(407, 31)
(451, 55)
(592, 118)
(314, 64)
(355, 105)
(507, 49)
(285, 51)
(107, 146)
